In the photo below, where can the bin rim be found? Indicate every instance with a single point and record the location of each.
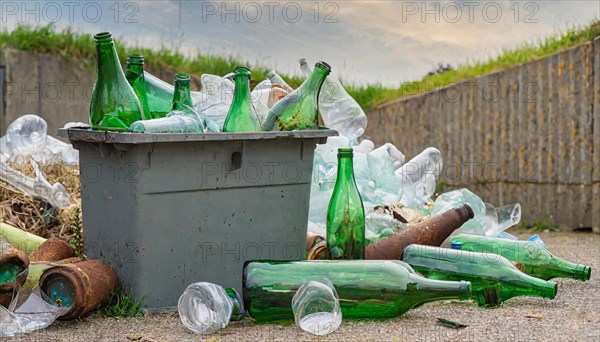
(88, 135)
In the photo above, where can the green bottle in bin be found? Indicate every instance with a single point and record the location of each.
(134, 72)
(494, 278)
(299, 110)
(241, 116)
(182, 97)
(114, 105)
(366, 288)
(345, 214)
(536, 259)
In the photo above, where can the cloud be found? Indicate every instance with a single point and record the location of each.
(365, 41)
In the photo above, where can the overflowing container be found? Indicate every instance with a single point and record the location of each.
(167, 210)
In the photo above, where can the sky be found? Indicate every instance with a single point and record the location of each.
(366, 42)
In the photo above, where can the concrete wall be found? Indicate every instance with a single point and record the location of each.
(50, 86)
(53, 87)
(530, 134)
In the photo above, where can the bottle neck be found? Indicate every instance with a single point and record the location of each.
(182, 94)
(108, 62)
(429, 290)
(314, 82)
(136, 68)
(242, 89)
(345, 171)
(565, 269)
(236, 302)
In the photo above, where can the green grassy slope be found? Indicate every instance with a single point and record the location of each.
(80, 46)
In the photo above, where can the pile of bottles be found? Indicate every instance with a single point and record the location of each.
(137, 101)
(348, 277)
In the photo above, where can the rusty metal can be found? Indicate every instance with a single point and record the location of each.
(52, 249)
(83, 286)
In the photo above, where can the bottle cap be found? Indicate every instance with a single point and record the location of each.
(303, 61)
(456, 245)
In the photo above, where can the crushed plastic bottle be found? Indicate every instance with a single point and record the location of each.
(456, 198)
(338, 109)
(316, 307)
(27, 137)
(55, 194)
(218, 96)
(497, 220)
(419, 177)
(265, 95)
(260, 99)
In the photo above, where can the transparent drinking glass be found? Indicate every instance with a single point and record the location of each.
(316, 307)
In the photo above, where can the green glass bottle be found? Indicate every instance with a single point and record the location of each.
(299, 109)
(182, 97)
(114, 104)
(345, 214)
(537, 261)
(366, 288)
(134, 73)
(160, 95)
(494, 278)
(242, 116)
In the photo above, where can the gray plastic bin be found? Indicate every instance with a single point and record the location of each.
(166, 210)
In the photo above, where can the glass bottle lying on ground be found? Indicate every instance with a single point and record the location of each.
(536, 259)
(494, 278)
(366, 289)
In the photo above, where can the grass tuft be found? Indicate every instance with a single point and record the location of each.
(122, 304)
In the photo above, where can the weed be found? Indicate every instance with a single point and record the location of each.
(76, 241)
(121, 303)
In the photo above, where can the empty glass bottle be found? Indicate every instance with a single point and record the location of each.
(160, 95)
(494, 278)
(299, 109)
(345, 214)
(183, 118)
(366, 288)
(536, 259)
(241, 116)
(182, 94)
(206, 308)
(338, 109)
(114, 104)
(134, 72)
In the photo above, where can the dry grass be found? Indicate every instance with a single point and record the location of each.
(35, 216)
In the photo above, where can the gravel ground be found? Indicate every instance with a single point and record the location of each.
(574, 315)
